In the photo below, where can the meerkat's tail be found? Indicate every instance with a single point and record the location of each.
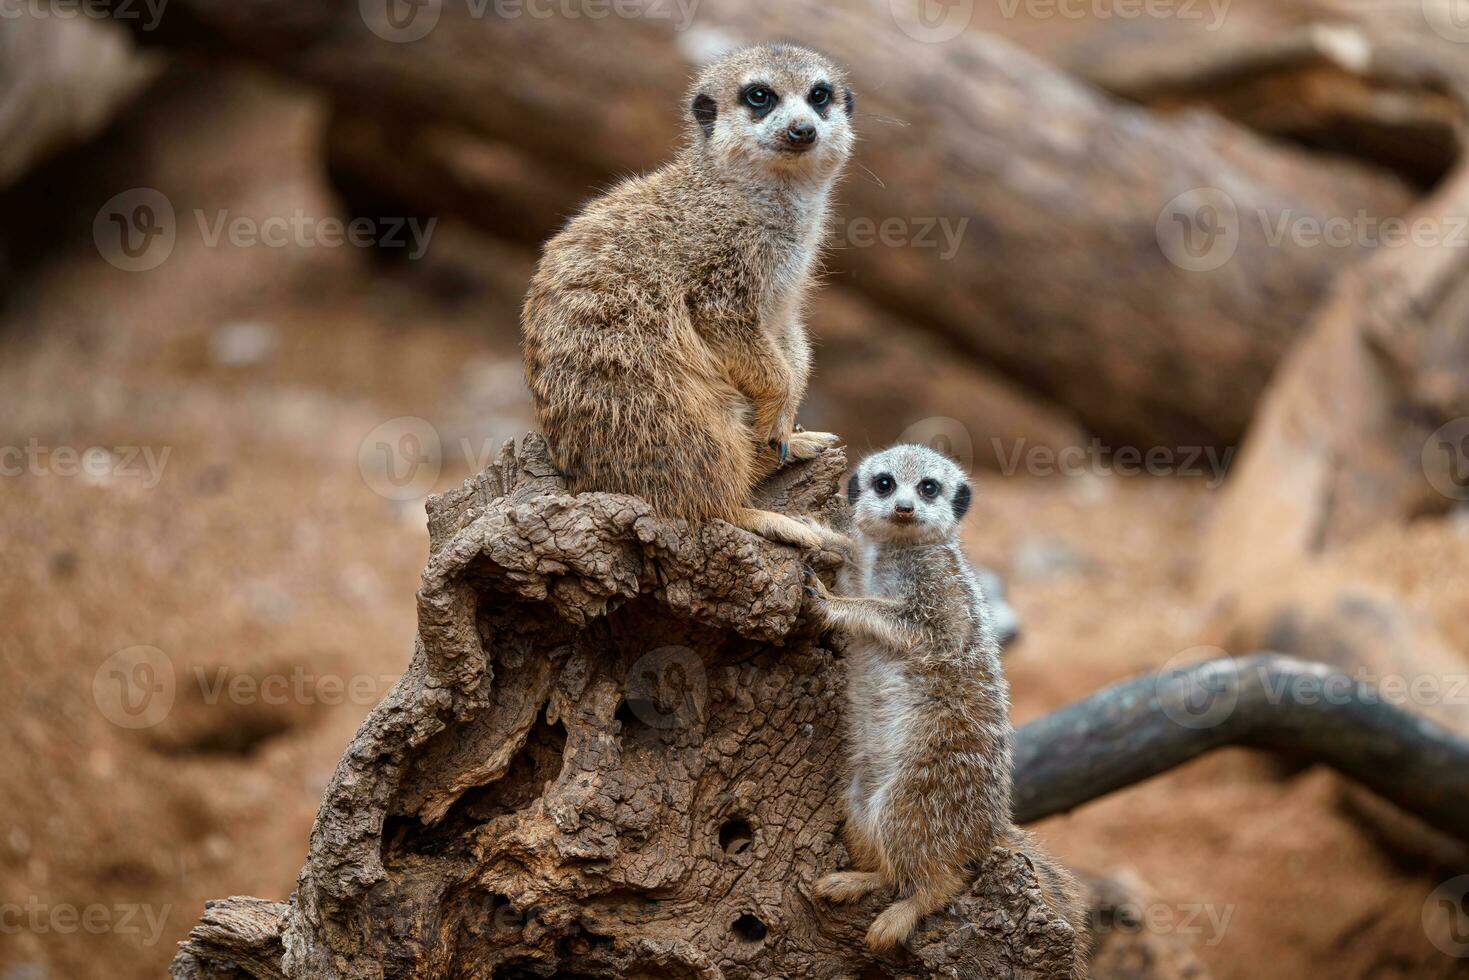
(1062, 892)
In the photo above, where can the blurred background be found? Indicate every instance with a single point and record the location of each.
(1183, 282)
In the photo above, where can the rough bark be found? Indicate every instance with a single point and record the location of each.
(1057, 278)
(616, 753)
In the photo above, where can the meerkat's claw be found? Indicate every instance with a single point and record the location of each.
(785, 452)
(813, 586)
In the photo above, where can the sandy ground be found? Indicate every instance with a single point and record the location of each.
(261, 551)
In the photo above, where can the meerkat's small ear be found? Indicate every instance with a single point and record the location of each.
(705, 112)
(850, 99)
(962, 498)
(854, 489)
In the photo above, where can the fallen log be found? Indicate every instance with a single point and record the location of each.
(1055, 275)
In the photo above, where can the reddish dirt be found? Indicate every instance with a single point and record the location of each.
(264, 553)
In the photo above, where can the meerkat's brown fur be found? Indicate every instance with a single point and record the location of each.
(928, 704)
(663, 334)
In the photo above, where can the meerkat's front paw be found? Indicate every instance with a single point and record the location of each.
(809, 445)
(848, 886)
(833, 541)
(893, 927)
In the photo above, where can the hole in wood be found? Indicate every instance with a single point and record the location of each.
(736, 836)
(749, 928)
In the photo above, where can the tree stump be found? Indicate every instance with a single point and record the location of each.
(617, 753)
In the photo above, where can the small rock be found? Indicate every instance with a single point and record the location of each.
(242, 344)
(1046, 558)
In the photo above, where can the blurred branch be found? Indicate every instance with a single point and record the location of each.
(1146, 726)
(61, 81)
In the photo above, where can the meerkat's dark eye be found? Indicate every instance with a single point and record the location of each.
(928, 489)
(820, 95)
(884, 484)
(759, 98)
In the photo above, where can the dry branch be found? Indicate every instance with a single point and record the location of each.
(1057, 277)
(1147, 726)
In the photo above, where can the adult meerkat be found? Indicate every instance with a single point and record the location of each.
(663, 338)
(928, 704)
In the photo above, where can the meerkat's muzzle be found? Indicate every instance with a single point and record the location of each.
(799, 137)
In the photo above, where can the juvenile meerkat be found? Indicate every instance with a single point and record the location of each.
(928, 704)
(663, 335)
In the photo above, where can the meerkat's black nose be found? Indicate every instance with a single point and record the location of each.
(801, 134)
(903, 508)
